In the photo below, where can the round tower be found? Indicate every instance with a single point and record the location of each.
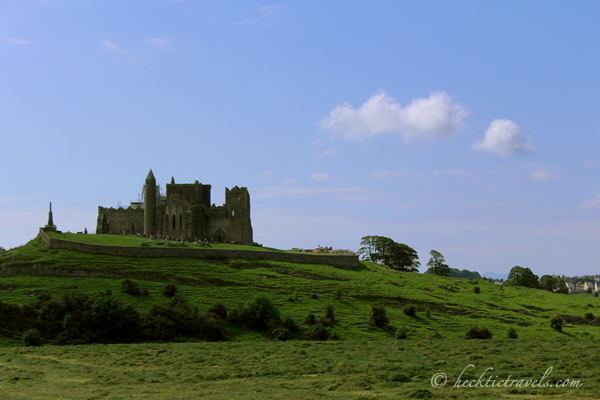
(150, 205)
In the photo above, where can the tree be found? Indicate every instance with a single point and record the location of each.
(553, 284)
(380, 249)
(519, 276)
(436, 264)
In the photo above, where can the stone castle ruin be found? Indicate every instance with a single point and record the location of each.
(184, 212)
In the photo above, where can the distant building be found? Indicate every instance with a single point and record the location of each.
(184, 212)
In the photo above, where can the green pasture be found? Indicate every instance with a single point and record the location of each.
(380, 369)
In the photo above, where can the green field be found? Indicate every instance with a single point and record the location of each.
(364, 362)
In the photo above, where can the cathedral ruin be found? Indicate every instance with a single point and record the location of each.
(184, 212)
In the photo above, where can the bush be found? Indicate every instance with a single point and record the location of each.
(401, 334)
(378, 316)
(130, 286)
(165, 321)
(477, 289)
(217, 308)
(169, 290)
(32, 337)
(291, 325)
(476, 332)
(556, 323)
(210, 329)
(338, 294)
(409, 310)
(511, 333)
(282, 334)
(329, 313)
(234, 317)
(258, 312)
(112, 321)
(310, 319)
(588, 316)
(325, 321)
(317, 332)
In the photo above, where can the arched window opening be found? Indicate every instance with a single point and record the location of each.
(167, 224)
(180, 221)
(174, 220)
(232, 213)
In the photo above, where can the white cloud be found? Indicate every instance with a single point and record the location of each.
(271, 11)
(162, 44)
(319, 176)
(289, 181)
(112, 48)
(504, 137)
(593, 202)
(317, 143)
(17, 42)
(384, 174)
(335, 193)
(459, 173)
(430, 118)
(540, 173)
(329, 153)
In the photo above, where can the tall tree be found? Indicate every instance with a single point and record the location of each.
(519, 276)
(380, 249)
(436, 264)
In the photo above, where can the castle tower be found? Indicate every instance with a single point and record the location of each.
(150, 204)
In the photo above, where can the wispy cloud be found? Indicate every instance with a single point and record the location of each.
(329, 153)
(319, 176)
(335, 193)
(431, 118)
(266, 175)
(112, 48)
(458, 173)
(271, 11)
(289, 181)
(540, 172)
(593, 202)
(160, 43)
(504, 137)
(589, 164)
(17, 41)
(269, 14)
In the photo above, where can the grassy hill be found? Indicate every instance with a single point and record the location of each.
(298, 289)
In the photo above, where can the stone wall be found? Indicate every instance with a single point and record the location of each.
(184, 252)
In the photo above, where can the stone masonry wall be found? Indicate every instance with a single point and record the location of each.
(183, 252)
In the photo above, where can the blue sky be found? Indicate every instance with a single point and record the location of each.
(467, 127)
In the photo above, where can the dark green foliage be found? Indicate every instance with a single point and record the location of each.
(556, 323)
(428, 312)
(210, 329)
(590, 290)
(519, 276)
(329, 313)
(258, 312)
(409, 310)
(456, 273)
(588, 316)
(50, 318)
(380, 249)
(477, 332)
(379, 316)
(325, 321)
(511, 333)
(553, 284)
(112, 321)
(338, 294)
(218, 309)
(317, 332)
(130, 286)
(401, 333)
(234, 317)
(177, 317)
(32, 337)
(310, 319)
(169, 290)
(291, 325)
(282, 334)
(436, 264)
(477, 289)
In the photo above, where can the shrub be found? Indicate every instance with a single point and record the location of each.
(32, 337)
(310, 319)
(329, 313)
(210, 329)
(130, 286)
(477, 289)
(314, 296)
(164, 321)
(169, 290)
(378, 316)
(282, 334)
(588, 316)
(258, 312)
(325, 321)
(217, 308)
(234, 317)
(291, 325)
(338, 294)
(317, 332)
(113, 321)
(409, 310)
(476, 332)
(401, 333)
(556, 323)
(511, 333)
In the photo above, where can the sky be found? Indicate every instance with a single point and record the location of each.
(468, 127)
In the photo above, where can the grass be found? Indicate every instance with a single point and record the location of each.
(298, 370)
